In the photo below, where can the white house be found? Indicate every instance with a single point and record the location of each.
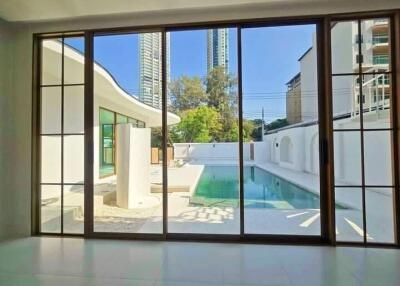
(108, 95)
(296, 146)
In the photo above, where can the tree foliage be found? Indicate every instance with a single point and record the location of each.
(187, 93)
(200, 125)
(208, 109)
(278, 123)
(248, 129)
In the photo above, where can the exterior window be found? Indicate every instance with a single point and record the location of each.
(108, 120)
(224, 81)
(134, 122)
(121, 119)
(107, 137)
(380, 59)
(380, 39)
(61, 139)
(362, 131)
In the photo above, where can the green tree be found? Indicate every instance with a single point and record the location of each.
(256, 133)
(220, 87)
(200, 125)
(278, 123)
(156, 137)
(187, 93)
(221, 95)
(248, 128)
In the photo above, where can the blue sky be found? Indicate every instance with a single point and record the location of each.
(270, 59)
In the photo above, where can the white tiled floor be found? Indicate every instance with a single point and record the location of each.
(68, 261)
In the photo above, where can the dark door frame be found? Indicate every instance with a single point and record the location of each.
(323, 24)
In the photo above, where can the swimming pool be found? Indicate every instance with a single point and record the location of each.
(219, 186)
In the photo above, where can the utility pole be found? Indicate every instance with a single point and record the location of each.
(262, 124)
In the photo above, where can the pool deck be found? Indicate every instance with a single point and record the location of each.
(184, 218)
(180, 179)
(307, 181)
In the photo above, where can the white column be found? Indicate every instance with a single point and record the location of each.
(133, 146)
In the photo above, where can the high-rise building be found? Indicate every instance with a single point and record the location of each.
(374, 96)
(150, 78)
(217, 49)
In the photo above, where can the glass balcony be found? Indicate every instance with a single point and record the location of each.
(380, 39)
(380, 59)
(381, 81)
(381, 21)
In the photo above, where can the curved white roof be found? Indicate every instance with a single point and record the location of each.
(105, 86)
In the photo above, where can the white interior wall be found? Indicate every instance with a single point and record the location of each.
(16, 73)
(5, 125)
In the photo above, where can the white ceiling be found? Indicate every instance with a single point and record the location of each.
(40, 10)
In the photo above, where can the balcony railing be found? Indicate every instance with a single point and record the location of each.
(381, 39)
(383, 80)
(380, 59)
(381, 21)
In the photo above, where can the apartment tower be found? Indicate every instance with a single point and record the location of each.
(150, 61)
(217, 49)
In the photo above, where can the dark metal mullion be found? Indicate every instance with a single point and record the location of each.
(324, 104)
(240, 113)
(395, 93)
(361, 96)
(59, 184)
(365, 73)
(62, 135)
(88, 137)
(60, 85)
(364, 129)
(59, 134)
(36, 162)
(164, 131)
(367, 186)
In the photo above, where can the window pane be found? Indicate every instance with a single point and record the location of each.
(50, 209)
(376, 45)
(133, 121)
(379, 213)
(281, 176)
(203, 157)
(106, 141)
(106, 116)
(378, 158)
(376, 101)
(50, 110)
(347, 156)
(51, 62)
(121, 119)
(344, 46)
(349, 214)
(74, 60)
(74, 159)
(73, 209)
(50, 159)
(345, 102)
(127, 73)
(74, 109)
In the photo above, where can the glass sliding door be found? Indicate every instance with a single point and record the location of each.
(203, 134)
(280, 130)
(61, 136)
(236, 154)
(127, 77)
(363, 130)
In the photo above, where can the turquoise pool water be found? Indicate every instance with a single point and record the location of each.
(219, 186)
